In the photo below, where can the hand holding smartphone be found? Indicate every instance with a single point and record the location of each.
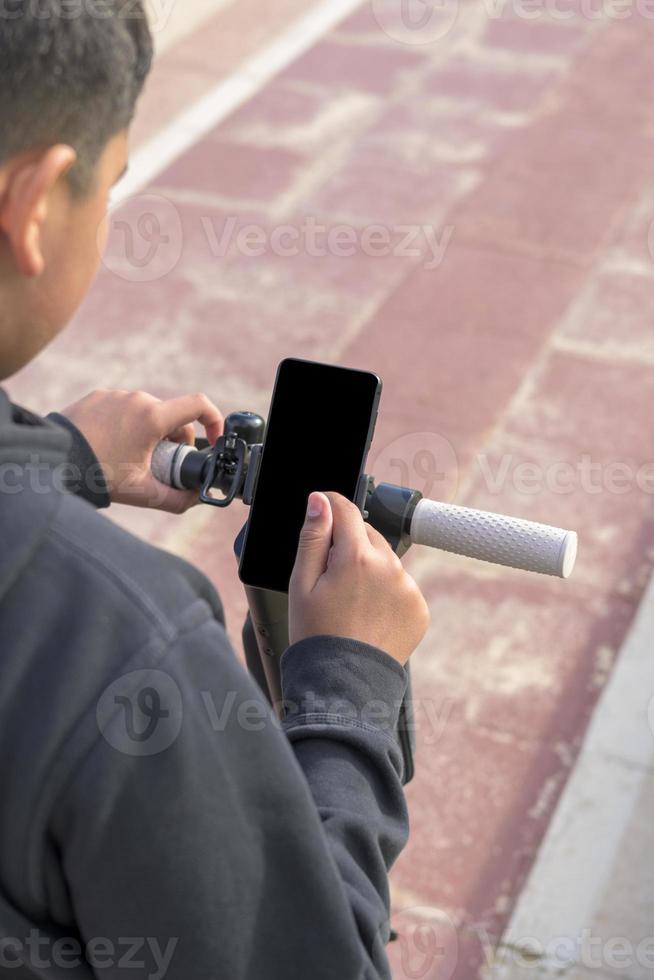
(363, 591)
(320, 427)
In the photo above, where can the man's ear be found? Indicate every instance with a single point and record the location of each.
(24, 201)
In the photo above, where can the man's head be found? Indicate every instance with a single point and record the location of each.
(71, 75)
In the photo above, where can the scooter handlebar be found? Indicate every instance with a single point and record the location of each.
(477, 534)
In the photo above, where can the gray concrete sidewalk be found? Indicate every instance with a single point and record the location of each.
(588, 907)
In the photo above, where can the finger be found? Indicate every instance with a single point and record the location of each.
(349, 532)
(178, 502)
(185, 433)
(377, 540)
(313, 546)
(158, 496)
(381, 545)
(177, 412)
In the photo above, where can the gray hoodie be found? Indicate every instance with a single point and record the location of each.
(156, 820)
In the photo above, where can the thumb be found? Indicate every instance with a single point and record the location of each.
(315, 541)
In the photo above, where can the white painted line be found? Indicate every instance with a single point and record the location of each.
(171, 22)
(582, 846)
(159, 152)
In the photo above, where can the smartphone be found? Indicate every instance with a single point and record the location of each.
(320, 425)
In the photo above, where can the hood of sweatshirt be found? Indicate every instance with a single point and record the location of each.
(31, 450)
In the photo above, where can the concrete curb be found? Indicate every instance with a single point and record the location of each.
(583, 851)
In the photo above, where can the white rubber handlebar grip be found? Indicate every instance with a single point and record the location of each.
(495, 538)
(167, 462)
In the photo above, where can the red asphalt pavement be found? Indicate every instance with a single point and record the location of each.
(523, 147)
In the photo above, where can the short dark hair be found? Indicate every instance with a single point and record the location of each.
(72, 71)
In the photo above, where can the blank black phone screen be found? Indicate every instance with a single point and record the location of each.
(319, 429)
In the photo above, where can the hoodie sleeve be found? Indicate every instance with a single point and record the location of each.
(87, 479)
(343, 699)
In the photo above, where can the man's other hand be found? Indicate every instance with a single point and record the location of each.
(123, 428)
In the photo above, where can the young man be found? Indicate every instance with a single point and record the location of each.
(155, 817)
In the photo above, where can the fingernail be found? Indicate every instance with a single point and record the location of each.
(315, 505)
